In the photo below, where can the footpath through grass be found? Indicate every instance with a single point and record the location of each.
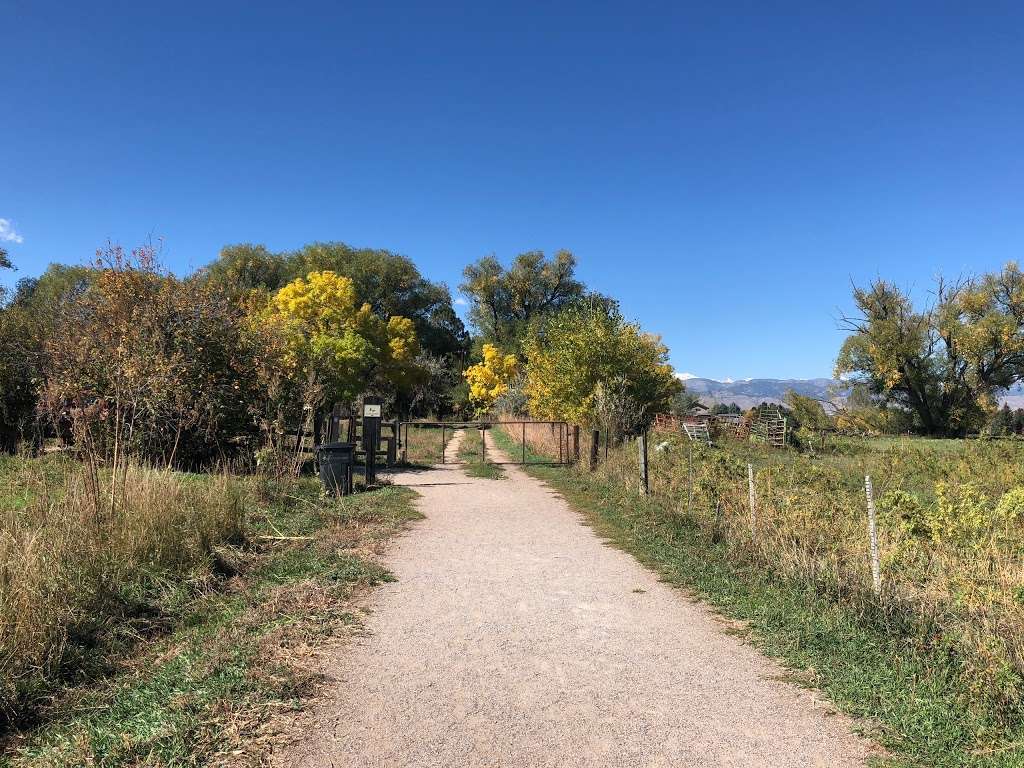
(914, 697)
(476, 463)
(220, 659)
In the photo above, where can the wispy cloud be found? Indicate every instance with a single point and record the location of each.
(7, 233)
(686, 376)
(459, 301)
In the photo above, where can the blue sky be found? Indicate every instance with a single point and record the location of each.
(725, 170)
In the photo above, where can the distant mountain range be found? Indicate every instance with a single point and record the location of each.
(747, 393)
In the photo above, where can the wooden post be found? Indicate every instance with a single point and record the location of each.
(606, 433)
(483, 445)
(595, 442)
(750, 489)
(524, 442)
(393, 445)
(641, 442)
(876, 566)
(317, 428)
(576, 444)
(405, 445)
(442, 443)
(560, 460)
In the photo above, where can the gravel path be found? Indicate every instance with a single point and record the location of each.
(515, 637)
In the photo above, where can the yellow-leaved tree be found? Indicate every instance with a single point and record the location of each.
(340, 347)
(488, 380)
(588, 366)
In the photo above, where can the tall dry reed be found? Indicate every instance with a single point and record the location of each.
(74, 545)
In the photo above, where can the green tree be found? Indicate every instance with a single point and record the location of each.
(340, 347)
(944, 364)
(587, 365)
(503, 302)
(390, 283)
(18, 370)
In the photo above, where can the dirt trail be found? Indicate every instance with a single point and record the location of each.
(515, 637)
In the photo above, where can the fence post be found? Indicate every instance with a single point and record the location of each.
(393, 445)
(641, 442)
(750, 489)
(405, 445)
(576, 444)
(483, 445)
(689, 479)
(442, 443)
(595, 442)
(876, 566)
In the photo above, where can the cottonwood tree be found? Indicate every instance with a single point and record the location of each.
(503, 301)
(946, 363)
(390, 283)
(339, 345)
(587, 365)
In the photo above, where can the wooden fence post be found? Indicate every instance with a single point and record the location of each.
(576, 444)
(750, 489)
(595, 442)
(483, 445)
(876, 566)
(524, 442)
(442, 443)
(641, 442)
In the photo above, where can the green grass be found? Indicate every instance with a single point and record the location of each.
(475, 464)
(229, 655)
(423, 446)
(913, 698)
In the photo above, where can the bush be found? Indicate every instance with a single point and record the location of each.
(164, 369)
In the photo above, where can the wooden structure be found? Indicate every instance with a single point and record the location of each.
(698, 432)
(769, 426)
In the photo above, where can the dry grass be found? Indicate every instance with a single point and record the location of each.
(935, 664)
(951, 560)
(71, 568)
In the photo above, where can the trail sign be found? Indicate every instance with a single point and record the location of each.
(371, 410)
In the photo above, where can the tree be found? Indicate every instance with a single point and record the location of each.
(684, 403)
(943, 364)
(489, 379)
(18, 371)
(503, 302)
(143, 363)
(587, 365)
(390, 283)
(341, 348)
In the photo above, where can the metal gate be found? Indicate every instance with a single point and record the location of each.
(524, 442)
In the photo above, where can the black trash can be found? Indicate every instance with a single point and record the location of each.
(335, 460)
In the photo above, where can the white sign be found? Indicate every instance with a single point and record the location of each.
(372, 411)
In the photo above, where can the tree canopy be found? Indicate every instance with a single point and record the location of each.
(390, 283)
(587, 365)
(503, 302)
(946, 363)
(343, 348)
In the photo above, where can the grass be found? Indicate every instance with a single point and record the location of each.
(929, 669)
(475, 464)
(424, 444)
(209, 662)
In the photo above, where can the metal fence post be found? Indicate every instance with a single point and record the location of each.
(876, 566)
(750, 489)
(641, 442)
